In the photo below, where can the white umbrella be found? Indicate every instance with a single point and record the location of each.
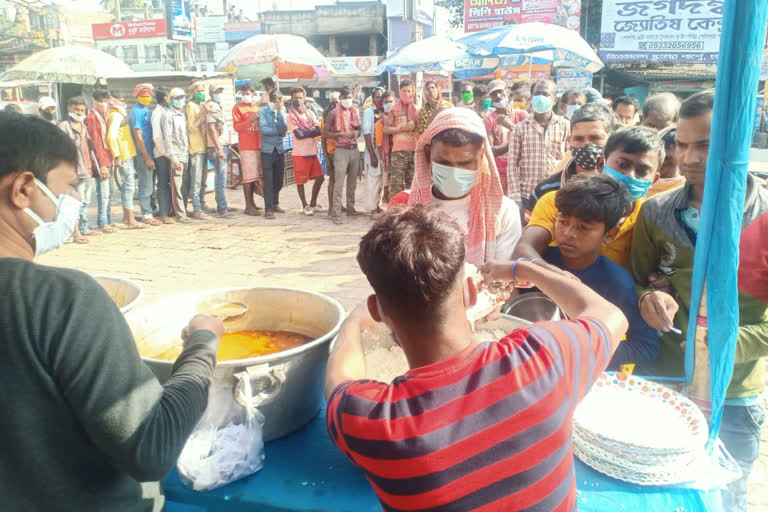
(567, 46)
(259, 55)
(430, 54)
(72, 64)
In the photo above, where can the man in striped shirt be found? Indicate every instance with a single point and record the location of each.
(471, 427)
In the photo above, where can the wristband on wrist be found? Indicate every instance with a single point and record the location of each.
(640, 299)
(514, 266)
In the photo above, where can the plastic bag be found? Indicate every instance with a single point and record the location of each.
(227, 443)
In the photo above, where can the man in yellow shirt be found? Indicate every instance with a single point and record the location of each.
(633, 156)
(198, 166)
(120, 142)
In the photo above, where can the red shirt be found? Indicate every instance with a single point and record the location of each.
(489, 429)
(247, 133)
(98, 135)
(753, 259)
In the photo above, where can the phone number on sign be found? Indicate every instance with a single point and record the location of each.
(671, 45)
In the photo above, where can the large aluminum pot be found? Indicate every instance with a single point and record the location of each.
(287, 386)
(124, 292)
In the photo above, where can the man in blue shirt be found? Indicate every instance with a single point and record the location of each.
(140, 120)
(591, 209)
(272, 124)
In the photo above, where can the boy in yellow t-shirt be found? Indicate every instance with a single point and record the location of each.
(633, 156)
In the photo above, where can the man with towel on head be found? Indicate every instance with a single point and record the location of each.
(455, 169)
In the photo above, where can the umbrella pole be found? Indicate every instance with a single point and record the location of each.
(530, 68)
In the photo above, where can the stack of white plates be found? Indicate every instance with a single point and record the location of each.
(639, 431)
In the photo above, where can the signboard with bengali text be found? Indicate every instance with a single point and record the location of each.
(570, 79)
(483, 14)
(210, 29)
(129, 29)
(661, 31)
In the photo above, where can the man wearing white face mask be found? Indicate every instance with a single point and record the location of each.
(455, 170)
(537, 144)
(74, 127)
(86, 408)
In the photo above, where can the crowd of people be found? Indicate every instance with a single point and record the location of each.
(578, 186)
(532, 188)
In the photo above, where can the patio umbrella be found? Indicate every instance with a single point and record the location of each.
(434, 53)
(473, 66)
(69, 64)
(567, 46)
(264, 55)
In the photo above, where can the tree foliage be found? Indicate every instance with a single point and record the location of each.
(109, 5)
(455, 11)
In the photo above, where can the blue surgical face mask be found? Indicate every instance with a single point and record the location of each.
(541, 104)
(179, 103)
(453, 182)
(501, 104)
(637, 188)
(387, 107)
(216, 97)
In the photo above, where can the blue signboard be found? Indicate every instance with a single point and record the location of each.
(179, 20)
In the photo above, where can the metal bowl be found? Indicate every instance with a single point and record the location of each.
(534, 307)
(286, 386)
(124, 292)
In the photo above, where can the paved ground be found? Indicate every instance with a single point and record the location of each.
(292, 251)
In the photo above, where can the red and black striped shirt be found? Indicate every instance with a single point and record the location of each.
(489, 429)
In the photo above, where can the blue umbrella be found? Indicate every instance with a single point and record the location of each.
(432, 54)
(568, 48)
(469, 66)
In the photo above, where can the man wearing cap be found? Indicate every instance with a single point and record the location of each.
(46, 106)
(140, 120)
(217, 144)
(177, 151)
(198, 166)
(499, 123)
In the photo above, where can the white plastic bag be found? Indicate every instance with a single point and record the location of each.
(227, 443)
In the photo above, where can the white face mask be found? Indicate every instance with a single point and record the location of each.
(76, 117)
(501, 104)
(247, 99)
(179, 103)
(453, 182)
(571, 110)
(52, 235)
(273, 106)
(346, 103)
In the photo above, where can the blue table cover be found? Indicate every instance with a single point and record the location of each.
(305, 472)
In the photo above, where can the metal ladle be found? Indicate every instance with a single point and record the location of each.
(225, 310)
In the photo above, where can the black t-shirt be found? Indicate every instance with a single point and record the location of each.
(84, 419)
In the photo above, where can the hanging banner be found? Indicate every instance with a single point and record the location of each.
(354, 65)
(661, 31)
(482, 14)
(569, 79)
